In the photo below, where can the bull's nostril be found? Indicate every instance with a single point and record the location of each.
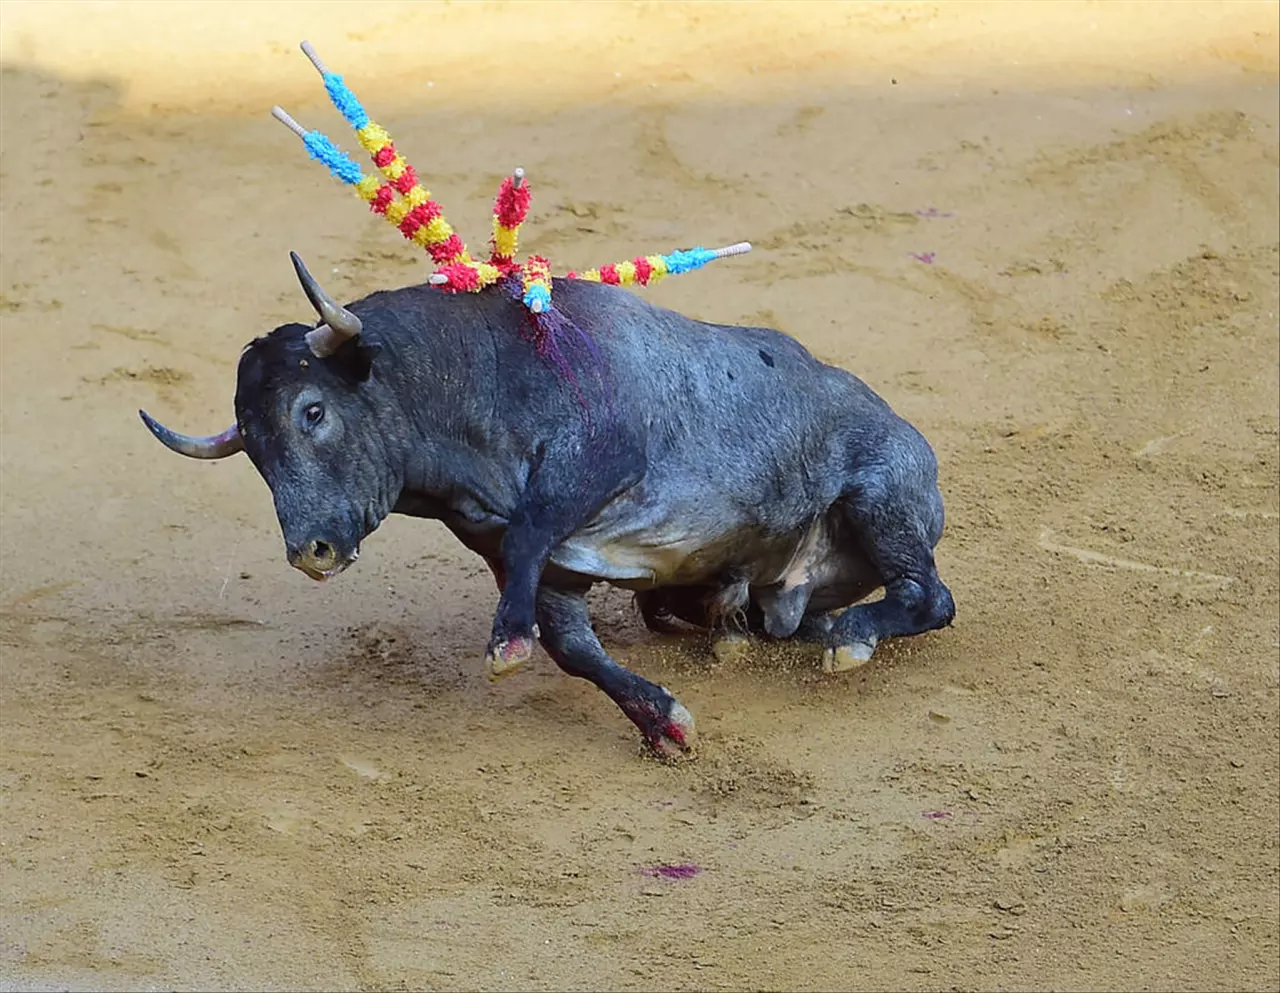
(321, 550)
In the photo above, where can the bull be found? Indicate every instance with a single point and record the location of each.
(724, 474)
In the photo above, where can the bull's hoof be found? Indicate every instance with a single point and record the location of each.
(505, 657)
(842, 658)
(671, 739)
(667, 726)
(731, 649)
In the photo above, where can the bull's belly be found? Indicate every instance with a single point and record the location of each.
(642, 561)
(678, 528)
(815, 552)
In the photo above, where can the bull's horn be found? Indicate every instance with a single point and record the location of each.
(339, 323)
(216, 446)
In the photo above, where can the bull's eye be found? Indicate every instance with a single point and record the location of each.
(313, 415)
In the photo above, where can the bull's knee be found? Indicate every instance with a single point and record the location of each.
(928, 603)
(942, 606)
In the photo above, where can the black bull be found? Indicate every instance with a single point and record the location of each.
(723, 473)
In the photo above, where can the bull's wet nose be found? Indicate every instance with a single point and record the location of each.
(321, 554)
(313, 556)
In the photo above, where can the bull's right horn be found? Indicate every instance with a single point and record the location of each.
(339, 323)
(216, 446)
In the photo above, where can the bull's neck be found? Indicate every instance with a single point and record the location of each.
(459, 436)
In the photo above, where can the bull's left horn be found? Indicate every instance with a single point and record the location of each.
(339, 323)
(216, 446)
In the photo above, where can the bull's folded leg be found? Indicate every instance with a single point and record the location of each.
(727, 616)
(568, 638)
(567, 487)
(897, 529)
(815, 627)
(661, 608)
(910, 606)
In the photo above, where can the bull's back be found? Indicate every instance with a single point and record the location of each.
(745, 397)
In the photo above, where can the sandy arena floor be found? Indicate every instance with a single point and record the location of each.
(1046, 233)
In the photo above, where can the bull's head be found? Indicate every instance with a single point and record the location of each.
(305, 418)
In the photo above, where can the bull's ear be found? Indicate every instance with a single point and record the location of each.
(354, 360)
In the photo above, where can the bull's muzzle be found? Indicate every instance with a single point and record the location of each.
(320, 559)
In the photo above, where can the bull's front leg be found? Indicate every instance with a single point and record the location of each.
(567, 487)
(569, 639)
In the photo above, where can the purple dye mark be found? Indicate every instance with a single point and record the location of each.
(681, 870)
(550, 332)
(932, 212)
(935, 815)
(925, 257)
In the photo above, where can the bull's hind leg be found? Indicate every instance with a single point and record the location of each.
(815, 627)
(896, 516)
(727, 608)
(724, 611)
(566, 634)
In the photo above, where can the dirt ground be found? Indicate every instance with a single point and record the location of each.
(1046, 233)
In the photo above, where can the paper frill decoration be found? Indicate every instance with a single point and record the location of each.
(401, 199)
